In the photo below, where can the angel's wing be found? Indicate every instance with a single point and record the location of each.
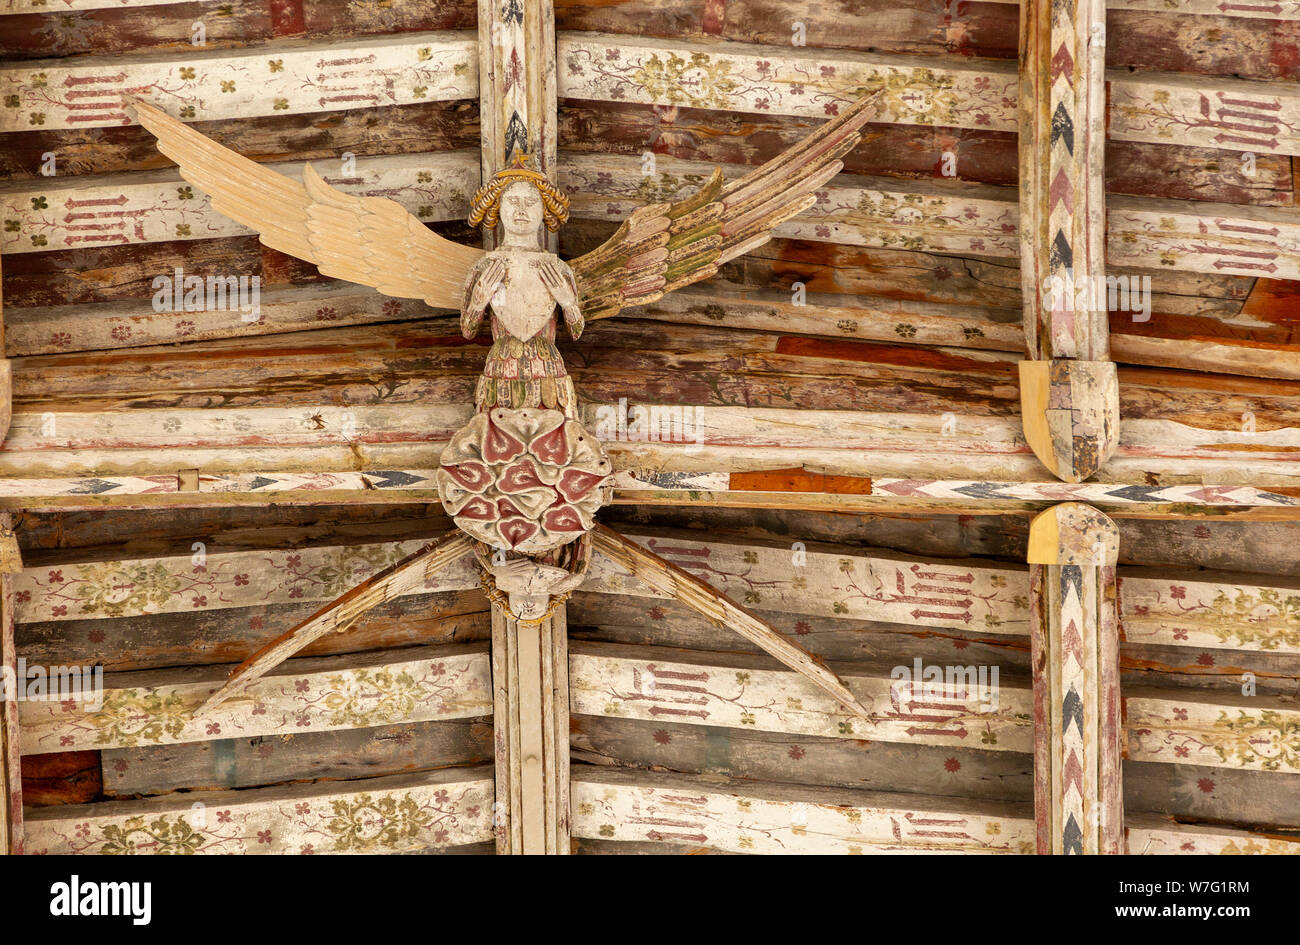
(369, 240)
(664, 246)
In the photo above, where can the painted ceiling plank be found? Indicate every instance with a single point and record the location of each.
(157, 707)
(1262, 117)
(742, 817)
(156, 206)
(220, 580)
(400, 814)
(205, 85)
(1144, 233)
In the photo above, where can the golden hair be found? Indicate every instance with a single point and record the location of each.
(486, 206)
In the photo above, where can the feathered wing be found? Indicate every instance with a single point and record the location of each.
(368, 240)
(664, 246)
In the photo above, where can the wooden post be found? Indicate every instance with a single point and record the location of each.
(1069, 392)
(517, 104)
(6, 378)
(11, 785)
(530, 686)
(1078, 789)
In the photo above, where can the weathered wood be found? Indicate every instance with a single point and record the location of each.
(402, 814)
(675, 582)
(752, 818)
(11, 786)
(803, 759)
(402, 577)
(749, 818)
(342, 755)
(215, 84)
(531, 733)
(1078, 792)
(72, 777)
(1070, 411)
(1150, 107)
(87, 27)
(160, 205)
(158, 707)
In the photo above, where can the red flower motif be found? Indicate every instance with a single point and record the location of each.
(832, 108)
(294, 561)
(952, 765)
(1205, 659)
(254, 623)
(60, 611)
(223, 816)
(662, 737)
(326, 314)
(1180, 714)
(655, 613)
(441, 797)
(214, 728)
(96, 636)
(302, 809)
(1180, 634)
(1206, 785)
(295, 592)
(68, 705)
(60, 339)
(121, 332)
(241, 580)
(301, 685)
(440, 836)
(264, 836)
(1181, 751)
(960, 644)
(23, 597)
(200, 601)
(1178, 593)
(185, 327)
(56, 577)
(802, 628)
(796, 752)
(307, 850)
(392, 307)
(65, 740)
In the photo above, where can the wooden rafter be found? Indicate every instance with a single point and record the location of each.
(1078, 792)
(669, 579)
(341, 613)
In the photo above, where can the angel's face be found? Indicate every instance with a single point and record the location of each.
(521, 210)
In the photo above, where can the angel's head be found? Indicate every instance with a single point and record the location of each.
(521, 200)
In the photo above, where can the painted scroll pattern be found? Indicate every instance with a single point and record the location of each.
(355, 697)
(211, 581)
(1258, 739)
(1194, 613)
(657, 691)
(695, 815)
(397, 820)
(939, 594)
(205, 87)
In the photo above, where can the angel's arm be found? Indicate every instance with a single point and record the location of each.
(664, 246)
(368, 240)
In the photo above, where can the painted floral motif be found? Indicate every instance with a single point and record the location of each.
(1259, 739)
(392, 820)
(411, 691)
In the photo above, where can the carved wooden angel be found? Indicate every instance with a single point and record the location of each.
(523, 479)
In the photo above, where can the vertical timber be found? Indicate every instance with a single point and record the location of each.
(531, 733)
(11, 785)
(1078, 797)
(517, 84)
(530, 661)
(1069, 393)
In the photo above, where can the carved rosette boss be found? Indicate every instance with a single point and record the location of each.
(526, 480)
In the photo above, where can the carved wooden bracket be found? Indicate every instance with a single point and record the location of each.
(1070, 413)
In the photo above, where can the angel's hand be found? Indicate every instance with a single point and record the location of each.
(486, 285)
(560, 284)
